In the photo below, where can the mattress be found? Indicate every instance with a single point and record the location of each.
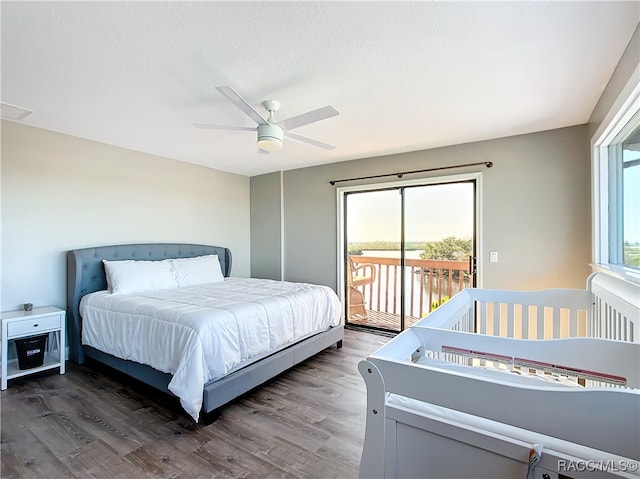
(201, 333)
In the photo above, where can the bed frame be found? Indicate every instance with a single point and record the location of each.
(85, 274)
(426, 421)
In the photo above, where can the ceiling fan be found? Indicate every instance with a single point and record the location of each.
(270, 132)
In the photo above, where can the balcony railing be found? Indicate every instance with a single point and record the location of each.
(428, 283)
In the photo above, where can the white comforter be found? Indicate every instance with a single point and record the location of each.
(201, 333)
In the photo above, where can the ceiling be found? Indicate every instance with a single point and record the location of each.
(404, 76)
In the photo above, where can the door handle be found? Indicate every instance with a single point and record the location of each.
(472, 265)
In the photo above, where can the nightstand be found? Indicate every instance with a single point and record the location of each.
(48, 321)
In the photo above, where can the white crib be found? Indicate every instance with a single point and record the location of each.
(469, 390)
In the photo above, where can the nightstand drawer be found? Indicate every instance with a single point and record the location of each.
(35, 325)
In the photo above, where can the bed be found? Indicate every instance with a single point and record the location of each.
(490, 376)
(204, 343)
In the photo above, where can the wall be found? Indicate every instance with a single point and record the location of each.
(266, 237)
(60, 192)
(535, 200)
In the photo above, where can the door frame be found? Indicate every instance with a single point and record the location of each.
(433, 180)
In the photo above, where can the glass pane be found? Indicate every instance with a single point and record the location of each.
(373, 260)
(439, 230)
(631, 199)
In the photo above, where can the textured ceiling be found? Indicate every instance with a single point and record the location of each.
(404, 75)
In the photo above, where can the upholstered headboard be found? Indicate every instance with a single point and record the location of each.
(85, 274)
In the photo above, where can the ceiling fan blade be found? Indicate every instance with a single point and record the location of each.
(310, 141)
(208, 126)
(309, 117)
(241, 103)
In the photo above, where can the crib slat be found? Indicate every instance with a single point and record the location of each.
(510, 320)
(482, 306)
(540, 322)
(573, 323)
(496, 318)
(612, 322)
(525, 321)
(596, 332)
(556, 323)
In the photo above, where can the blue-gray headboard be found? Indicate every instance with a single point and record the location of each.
(85, 274)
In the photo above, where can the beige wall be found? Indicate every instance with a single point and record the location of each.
(536, 211)
(60, 192)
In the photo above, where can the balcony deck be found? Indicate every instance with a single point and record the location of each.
(380, 319)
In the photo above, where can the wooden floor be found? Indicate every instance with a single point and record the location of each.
(307, 423)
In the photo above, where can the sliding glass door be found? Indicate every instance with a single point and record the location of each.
(439, 244)
(373, 239)
(408, 249)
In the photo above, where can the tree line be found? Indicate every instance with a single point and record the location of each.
(450, 248)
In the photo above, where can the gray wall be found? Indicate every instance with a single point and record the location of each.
(266, 226)
(60, 192)
(536, 208)
(536, 200)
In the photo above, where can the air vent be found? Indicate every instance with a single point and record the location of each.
(11, 112)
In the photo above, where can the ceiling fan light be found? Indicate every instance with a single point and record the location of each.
(270, 144)
(270, 137)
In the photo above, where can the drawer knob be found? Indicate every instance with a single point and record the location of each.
(36, 325)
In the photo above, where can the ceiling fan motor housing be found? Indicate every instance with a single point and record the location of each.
(270, 137)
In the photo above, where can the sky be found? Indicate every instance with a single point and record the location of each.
(432, 212)
(631, 189)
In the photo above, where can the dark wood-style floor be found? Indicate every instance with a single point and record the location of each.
(307, 423)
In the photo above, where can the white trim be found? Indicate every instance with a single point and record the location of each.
(432, 180)
(621, 111)
(478, 232)
(631, 275)
(339, 247)
(282, 250)
(626, 105)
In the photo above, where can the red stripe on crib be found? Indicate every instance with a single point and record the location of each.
(583, 373)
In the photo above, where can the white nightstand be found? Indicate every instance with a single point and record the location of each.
(22, 324)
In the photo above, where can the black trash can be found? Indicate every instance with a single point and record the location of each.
(31, 351)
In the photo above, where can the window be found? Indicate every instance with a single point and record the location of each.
(617, 190)
(624, 196)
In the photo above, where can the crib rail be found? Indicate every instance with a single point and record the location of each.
(608, 308)
(615, 309)
(548, 314)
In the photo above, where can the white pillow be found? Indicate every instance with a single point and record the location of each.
(131, 276)
(198, 270)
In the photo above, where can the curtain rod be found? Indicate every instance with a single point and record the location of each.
(488, 164)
